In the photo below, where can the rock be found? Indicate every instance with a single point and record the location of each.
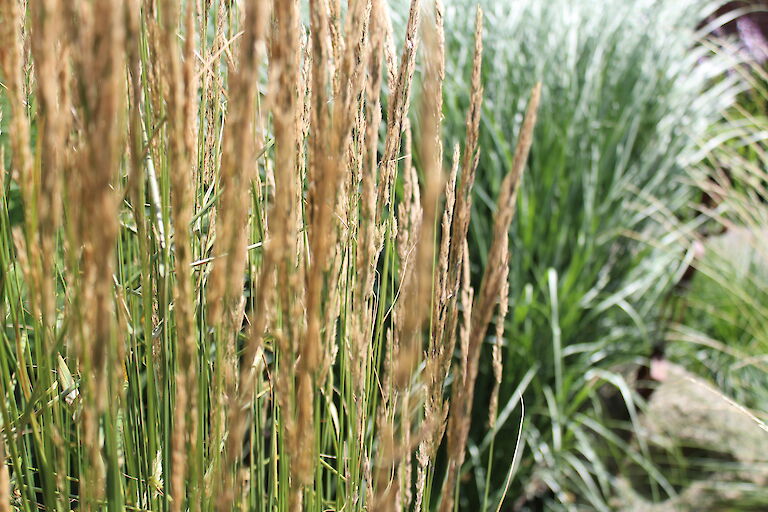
(687, 412)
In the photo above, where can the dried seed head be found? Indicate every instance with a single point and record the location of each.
(498, 338)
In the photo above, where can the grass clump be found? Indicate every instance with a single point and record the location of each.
(230, 285)
(719, 324)
(627, 96)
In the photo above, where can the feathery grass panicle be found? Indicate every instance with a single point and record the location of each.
(99, 65)
(369, 245)
(498, 338)
(46, 34)
(11, 59)
(440, 347)
(457, 252)
(396, 365)
(11, 43)
(487, 295)
(471, 150)
(399, 102)
(181, 89)
(490, 285)
(417, 290)
(452, 257)
(238, 169)
(332, 130)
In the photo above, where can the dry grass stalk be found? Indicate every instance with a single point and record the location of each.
(462, 210)
(181, 113)
(283, 221)
(331, 139)
(418, 310)
(337, 41)
(441, 295)
(498, 338)
(448, 274)
(465, 330)
(11, 61)
(408, 228)
(237, 171)
(369, 238)
(98, 59)
(370, 235)
(213, 87)
(399, 102)
(435, 371)
(469, 163)
(135, 102)
(491, 284)
(482, 309)
(46, 48)
(323, 182)
(11, 64)
(415, 251)
(431, 116)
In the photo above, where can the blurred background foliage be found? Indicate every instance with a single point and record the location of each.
(647, 107)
